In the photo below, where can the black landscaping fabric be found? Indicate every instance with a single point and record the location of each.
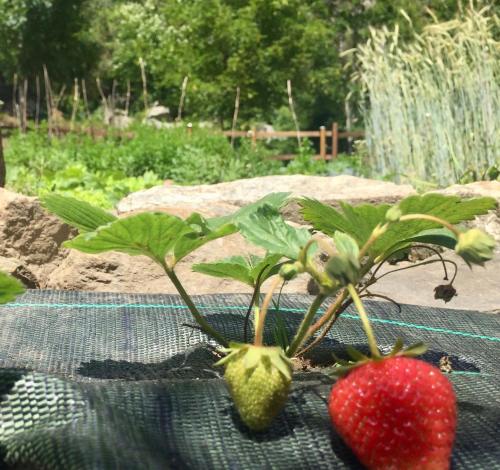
(118, 381)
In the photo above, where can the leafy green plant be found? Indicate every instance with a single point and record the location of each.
(10, 288)
(361, 240)
(103, 171)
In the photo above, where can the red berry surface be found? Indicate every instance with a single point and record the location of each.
(397, 413)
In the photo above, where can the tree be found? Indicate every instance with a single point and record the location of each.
(50, 32)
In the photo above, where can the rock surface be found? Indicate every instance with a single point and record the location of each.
(490, 222)
(328, 189)
(30, 237)
(30, 241)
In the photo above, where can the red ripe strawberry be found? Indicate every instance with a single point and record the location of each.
(396, 413)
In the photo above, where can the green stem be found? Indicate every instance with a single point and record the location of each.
(328, 318)
(431, 218)
(261, 316)
(377, 232)
(304, 325)
(372, 343)
(204, 325)
(303, 252)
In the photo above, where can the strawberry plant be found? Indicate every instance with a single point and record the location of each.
(356, 241)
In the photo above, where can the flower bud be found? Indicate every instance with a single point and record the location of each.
(475, 246)
(393, 214)
(344, 269)
(290, 270)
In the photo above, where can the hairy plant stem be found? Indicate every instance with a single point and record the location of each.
(372, 343)
(261, 315)
(330, 317)
(377, 232)
(331, 310)
(301, 334)
(204, 325)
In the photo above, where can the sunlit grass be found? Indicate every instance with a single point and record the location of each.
(433, 106)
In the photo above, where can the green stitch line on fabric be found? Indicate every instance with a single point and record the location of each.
(235, 307)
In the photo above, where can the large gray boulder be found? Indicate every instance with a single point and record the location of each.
(30, 240)
(225, 196)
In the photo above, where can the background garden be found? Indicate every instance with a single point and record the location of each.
(80, 81)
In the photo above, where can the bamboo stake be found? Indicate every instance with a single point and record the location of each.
(19, 107)
(48, 99)
(235, 114)
(14, 97)
(292, 110)
(76, 102)
(183, 96)
(59, 97)
(127, 100)
(348, 124)
(37, 105)
(24, 107)
(85, 99)
(144, 84)
(103, 98)
(113, 100)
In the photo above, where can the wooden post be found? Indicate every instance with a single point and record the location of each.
(189, 128)
(335, 140)
(322, 142)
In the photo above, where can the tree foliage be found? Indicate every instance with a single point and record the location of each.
(219, 44)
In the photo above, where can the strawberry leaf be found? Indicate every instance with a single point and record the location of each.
(267, 228)
(449, 208)
(79, 214)
(359, 221)
(275, 200)
(235, 267)
(346, 245)
(268, 265)
(199, 234)
(10, 288)
(242, 269)
(152, 234)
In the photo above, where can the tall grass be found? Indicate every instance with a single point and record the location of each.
(433, 105)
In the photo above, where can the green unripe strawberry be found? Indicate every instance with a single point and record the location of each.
(259, 379)
(475, 246)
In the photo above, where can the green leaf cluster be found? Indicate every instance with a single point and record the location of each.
(10, 288)
(360, 221)
(154, 234)
(266, 228)
(251, 270)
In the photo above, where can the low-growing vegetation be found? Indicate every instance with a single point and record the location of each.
(104, 170)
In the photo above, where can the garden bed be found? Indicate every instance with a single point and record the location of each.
(103, 380)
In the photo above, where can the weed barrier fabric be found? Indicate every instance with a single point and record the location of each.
(101, 381)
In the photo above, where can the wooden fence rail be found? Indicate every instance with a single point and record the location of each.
(334, 135)
(322, 134)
